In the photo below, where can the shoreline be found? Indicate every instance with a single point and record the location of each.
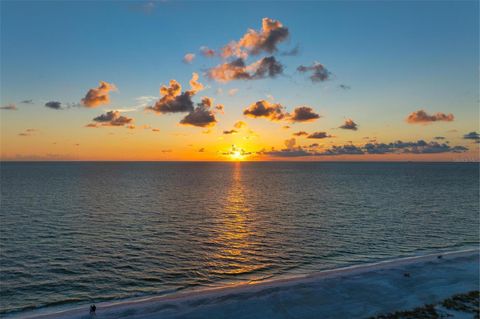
(165, 305)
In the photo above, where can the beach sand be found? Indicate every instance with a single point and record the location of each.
(353, 292)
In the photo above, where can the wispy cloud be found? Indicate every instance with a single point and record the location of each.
(9, 107)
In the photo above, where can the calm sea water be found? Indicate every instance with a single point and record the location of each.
(88, 232)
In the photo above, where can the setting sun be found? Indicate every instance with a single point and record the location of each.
(237, 156)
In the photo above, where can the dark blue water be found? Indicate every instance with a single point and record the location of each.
(83, 232)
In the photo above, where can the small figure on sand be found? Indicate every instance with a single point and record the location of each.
(92, 309)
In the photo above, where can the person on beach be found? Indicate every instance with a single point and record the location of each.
(92, 310)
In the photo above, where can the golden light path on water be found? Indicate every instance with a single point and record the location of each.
(238, 241)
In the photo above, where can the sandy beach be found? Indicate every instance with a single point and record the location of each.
(353, 292)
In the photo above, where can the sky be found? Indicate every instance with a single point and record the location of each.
(216, 81)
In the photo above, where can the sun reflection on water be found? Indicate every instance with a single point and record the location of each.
(237, 241)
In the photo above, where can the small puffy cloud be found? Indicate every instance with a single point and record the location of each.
(421, 116)
(112, 118)
(265, 109)
(207, 52)
(98, 96)
(303, 114)
(173, 100)
(220, 108)
(349, 125)
(318, 72)
(230, 132)
(255, 42)
(194, 84)
(188, 58)
(240, 124)
(238, 70)
(276, 112)
(300, 133)
(472, 136)
(319, 135)
(54, 105)
(232, 92)
(202, 115)
(266, 67)
(290, 143)
(9, 107)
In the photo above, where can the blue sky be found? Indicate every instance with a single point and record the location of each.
(396, 57)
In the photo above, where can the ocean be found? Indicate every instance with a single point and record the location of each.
(76, 233)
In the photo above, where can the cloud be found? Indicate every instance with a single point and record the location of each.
(349, 125)
(301, 133)
(27, 102)
(146, 8)
(418, 147)
(111, 118)
(207, 52)
(348, 149)
(194, 84)
(398, 147)
(202, 115)
(293, 52)
(98, 96)
(266, 67)
(240, 124)
(263, 108)
(220, 108)
(421, 116)
(319, 72)
(319, 135)
(255, 42)
(27, 132)
(173, 100)
(276, 112)
(9, 107)
(472, 136)
(230, 132)
(295, 152)
(232, 92)
(290, 143)
(54, 105)
(303, 114)
(188, 58)
(238, 70)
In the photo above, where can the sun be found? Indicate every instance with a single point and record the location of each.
(237, 156)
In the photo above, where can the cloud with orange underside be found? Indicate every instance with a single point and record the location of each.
(99, 95)
(421, 116)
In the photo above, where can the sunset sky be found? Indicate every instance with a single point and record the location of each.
(315, 81)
